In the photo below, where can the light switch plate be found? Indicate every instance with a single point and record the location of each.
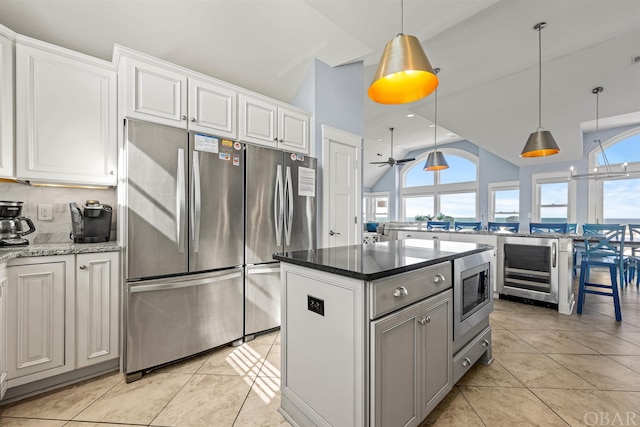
(45, 212)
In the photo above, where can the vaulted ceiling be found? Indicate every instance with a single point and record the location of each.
(487, 50)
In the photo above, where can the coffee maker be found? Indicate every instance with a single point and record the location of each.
(11, 231)
(91, 226)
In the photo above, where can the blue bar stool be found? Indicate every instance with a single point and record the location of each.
(460, 225)
(599, 246)
(504, 226)
(438, 225)
(634, 236)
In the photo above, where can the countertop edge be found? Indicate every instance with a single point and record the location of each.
(381, 274)
(52, 249)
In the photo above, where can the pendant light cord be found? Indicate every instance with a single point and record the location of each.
(540, 27)
(435, 119)
(402, 17)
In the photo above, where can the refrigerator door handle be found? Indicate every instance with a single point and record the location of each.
(196, 203)
(288, 224)
(278, 206)
(180, 196)
(185, 284)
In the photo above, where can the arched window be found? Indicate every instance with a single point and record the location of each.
(451, 193)
(616, 199)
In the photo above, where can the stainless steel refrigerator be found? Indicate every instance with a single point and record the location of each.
(184, 244)
(280, 216)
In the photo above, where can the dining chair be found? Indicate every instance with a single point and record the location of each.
(462, 225)
(604, 247)
(438, 225)
(578, 247)
(547, 227)
(634, 236)
(503, 226)
(572, 227)
(604, 243)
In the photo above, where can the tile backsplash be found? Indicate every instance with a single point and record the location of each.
(59, 228)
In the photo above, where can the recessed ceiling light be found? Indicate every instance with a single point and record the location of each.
(410, 115)
(379, 139)
(432, 126)
(451, 134)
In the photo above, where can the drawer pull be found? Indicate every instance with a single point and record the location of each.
(400, 292)
(466, 362)
(485, 343)
(424, 320)
(439, 278)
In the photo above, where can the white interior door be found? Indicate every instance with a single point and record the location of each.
(341, 188)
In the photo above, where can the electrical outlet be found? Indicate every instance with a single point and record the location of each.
(45, 212)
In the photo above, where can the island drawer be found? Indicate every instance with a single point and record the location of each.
(392, 293)
(469, 354)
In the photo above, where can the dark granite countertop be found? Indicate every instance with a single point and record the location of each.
(47, 249)
(382, 259)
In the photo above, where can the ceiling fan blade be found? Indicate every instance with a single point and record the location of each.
(405, 160)
(381, 166)
(378, 163)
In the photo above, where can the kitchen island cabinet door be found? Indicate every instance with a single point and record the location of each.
(41, 341)
(97, 286)
(437, 338)
(6, 108)
(3, 331)
(66, 128)
(395, 368)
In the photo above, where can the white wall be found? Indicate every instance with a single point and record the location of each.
(58, 229)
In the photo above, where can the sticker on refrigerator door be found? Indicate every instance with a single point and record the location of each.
(206, 143)
(236, 160)
(293, 157)
(224, 156)
(237, 146)
(300, 157)
(306, 182)
(227, 143)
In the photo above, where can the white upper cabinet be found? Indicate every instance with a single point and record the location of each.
(159, 92)
(154, 93)
(66, 112)
(3, 330)
(6, 107)
(212, 108)
(266, 122)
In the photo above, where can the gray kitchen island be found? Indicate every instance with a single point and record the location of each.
(377, 334)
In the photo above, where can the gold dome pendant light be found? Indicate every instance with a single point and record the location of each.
(404, 73)
(540, 142)
(435, 160)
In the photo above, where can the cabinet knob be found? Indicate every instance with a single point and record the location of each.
(408, 235)
(466, 362)
(428, 319)
(281, 140)
(439, 278)
(83, 267)
(400, 291)
(112, 173)
(485, 343)
(422, 320)
(193, 119)
(275, 139)
(184, 117)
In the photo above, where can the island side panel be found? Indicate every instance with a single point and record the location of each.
(324, 356)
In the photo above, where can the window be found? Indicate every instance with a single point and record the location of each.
(551, 198)
(504, 203)
(375, 207)
(615, 200)
(451, 192)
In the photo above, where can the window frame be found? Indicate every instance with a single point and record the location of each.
(553, 178)
(438, 189)
(493, 187)
(596, 186)
(369, 204)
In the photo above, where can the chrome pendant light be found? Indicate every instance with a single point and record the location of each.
(404, 73)
(435, 160)
(540, 142)
(597, 173)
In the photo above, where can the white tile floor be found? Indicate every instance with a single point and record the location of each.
(549, 369)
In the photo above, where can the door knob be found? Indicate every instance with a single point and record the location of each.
(331, 233)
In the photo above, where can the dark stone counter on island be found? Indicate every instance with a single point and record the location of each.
(382, 259)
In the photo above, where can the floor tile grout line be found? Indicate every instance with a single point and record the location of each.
(471, 406)
(172, 397)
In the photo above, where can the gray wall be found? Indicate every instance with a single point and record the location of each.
(335, 96)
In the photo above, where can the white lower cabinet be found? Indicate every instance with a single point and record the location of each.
(411, 362)
(97, 308)
(58, 319)
(40, 329)
(3, 330)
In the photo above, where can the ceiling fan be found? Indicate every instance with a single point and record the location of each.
(392, 162)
